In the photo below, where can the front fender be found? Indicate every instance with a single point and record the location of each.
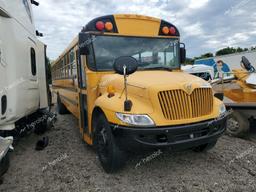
(111, 105)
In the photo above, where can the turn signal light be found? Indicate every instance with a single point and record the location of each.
(111, 91)
(165, 30)
(100, 25)
(108, 26)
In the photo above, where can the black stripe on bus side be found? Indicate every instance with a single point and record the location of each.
(66, 88)
(69, 100)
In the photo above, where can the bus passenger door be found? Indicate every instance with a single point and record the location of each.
(83, 113)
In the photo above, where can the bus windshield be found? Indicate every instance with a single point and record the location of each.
(151, 53)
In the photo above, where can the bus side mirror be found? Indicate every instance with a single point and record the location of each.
(247, 65)
(34, 2)
(125, 65)
(182, 54)
(85, 41)
(39, 34)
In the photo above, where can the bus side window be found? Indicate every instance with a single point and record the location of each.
(56, 70)
(59, 70)
(73, 69)
(65, 67)
(33, 61)
(81, 71)
(62, 68)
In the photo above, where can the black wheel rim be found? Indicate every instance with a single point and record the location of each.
(233, 125)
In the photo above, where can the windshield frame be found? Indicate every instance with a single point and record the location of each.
(91, 60)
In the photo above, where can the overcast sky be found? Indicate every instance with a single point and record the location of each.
(205, 25)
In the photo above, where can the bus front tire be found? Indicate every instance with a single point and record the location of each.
(110, 155)
(61, 107)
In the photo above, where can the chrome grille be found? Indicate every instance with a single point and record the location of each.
(177, 104)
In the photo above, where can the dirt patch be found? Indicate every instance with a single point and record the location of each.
(67, 164)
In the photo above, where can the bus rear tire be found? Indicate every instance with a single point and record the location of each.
(238, 125)
(109, 154)
(61, 107)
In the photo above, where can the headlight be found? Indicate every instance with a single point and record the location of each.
(222, 109)
(138, 120)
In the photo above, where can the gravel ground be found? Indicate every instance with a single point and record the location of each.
(67, 164)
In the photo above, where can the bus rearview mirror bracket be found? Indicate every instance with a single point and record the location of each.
(182, 53)
(84, 43)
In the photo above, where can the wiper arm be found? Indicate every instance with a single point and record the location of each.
(158, 68)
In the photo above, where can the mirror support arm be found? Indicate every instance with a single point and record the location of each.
(127, 103)
(125, 83)
(34, 2)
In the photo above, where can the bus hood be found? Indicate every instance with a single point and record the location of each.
(153, 80)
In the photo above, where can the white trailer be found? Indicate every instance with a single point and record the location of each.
(232, 60)
(23, 86)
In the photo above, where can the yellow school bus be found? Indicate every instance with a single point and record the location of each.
(121, 78)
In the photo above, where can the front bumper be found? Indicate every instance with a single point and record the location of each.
(177, 137)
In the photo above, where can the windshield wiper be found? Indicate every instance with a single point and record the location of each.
(157, 68)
